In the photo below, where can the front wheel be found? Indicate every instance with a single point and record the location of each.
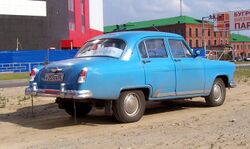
(129, 107)
(217, 94)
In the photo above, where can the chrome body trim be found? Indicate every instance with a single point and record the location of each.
(182, 93)
(62, 93)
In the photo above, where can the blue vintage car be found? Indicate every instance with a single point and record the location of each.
(123, 70)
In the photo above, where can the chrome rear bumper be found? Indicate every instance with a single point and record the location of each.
(62, 93)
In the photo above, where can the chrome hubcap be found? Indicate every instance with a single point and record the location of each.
(131, 104)
(217, 92)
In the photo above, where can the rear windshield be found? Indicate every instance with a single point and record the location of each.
(102, 47)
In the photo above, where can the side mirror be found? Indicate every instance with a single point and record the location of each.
(197, 53)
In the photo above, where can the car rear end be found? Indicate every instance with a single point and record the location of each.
(59, 80)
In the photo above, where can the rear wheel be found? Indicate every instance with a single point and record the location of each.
(82, 109)
(129, 107)
(217, 94)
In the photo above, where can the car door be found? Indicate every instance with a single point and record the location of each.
(190, 77)
(158, 66)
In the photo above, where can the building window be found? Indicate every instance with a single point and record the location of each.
(242, 47)
(215, 42)
(72, 26)
(190, 43)
(196, 32)
(190, 32)
(208, 33)
(214, 34)
(82, 13)
(197, 43)
(71, 8)
(71, 5)
(209, 42)
(226, 34)
(234, 47)
(238, 47)
(220, 34)
(248, 46)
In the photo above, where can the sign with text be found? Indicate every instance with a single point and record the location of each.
(233, 21)
(240, 20)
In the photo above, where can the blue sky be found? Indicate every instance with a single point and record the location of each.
(123, 11)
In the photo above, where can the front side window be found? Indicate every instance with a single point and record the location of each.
(102, 48)
(179, 49)
(153, 48)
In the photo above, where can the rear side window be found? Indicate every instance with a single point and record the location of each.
(179, 49)
(142, 49)
(153, 48)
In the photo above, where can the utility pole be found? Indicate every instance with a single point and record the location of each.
(203, 32)
(180, 7)
(17, 44)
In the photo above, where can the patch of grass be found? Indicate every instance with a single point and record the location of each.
(3, 101)
(13, 76)
(22, 98)
(243, 62)
(242, 74)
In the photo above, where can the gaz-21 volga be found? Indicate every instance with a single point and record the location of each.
(121, 71)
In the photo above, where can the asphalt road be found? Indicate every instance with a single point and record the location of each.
(13, 83)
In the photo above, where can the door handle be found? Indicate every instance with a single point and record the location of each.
(146, 61)
(177, 60)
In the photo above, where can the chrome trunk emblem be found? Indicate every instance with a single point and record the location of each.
(56, 70)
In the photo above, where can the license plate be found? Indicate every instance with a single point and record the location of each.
(53, 77)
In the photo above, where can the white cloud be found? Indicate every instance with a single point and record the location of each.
(123, 11)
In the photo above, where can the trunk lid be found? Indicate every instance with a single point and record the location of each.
(70, 70)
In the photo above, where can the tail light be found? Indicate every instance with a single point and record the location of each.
(33, 74)
(83, 75)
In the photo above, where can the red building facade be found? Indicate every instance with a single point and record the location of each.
(241, 44)
(85, 20)
(47, 24)
(190, 28)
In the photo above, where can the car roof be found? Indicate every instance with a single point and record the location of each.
(134, 35)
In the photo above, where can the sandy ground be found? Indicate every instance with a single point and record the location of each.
(172, 124)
